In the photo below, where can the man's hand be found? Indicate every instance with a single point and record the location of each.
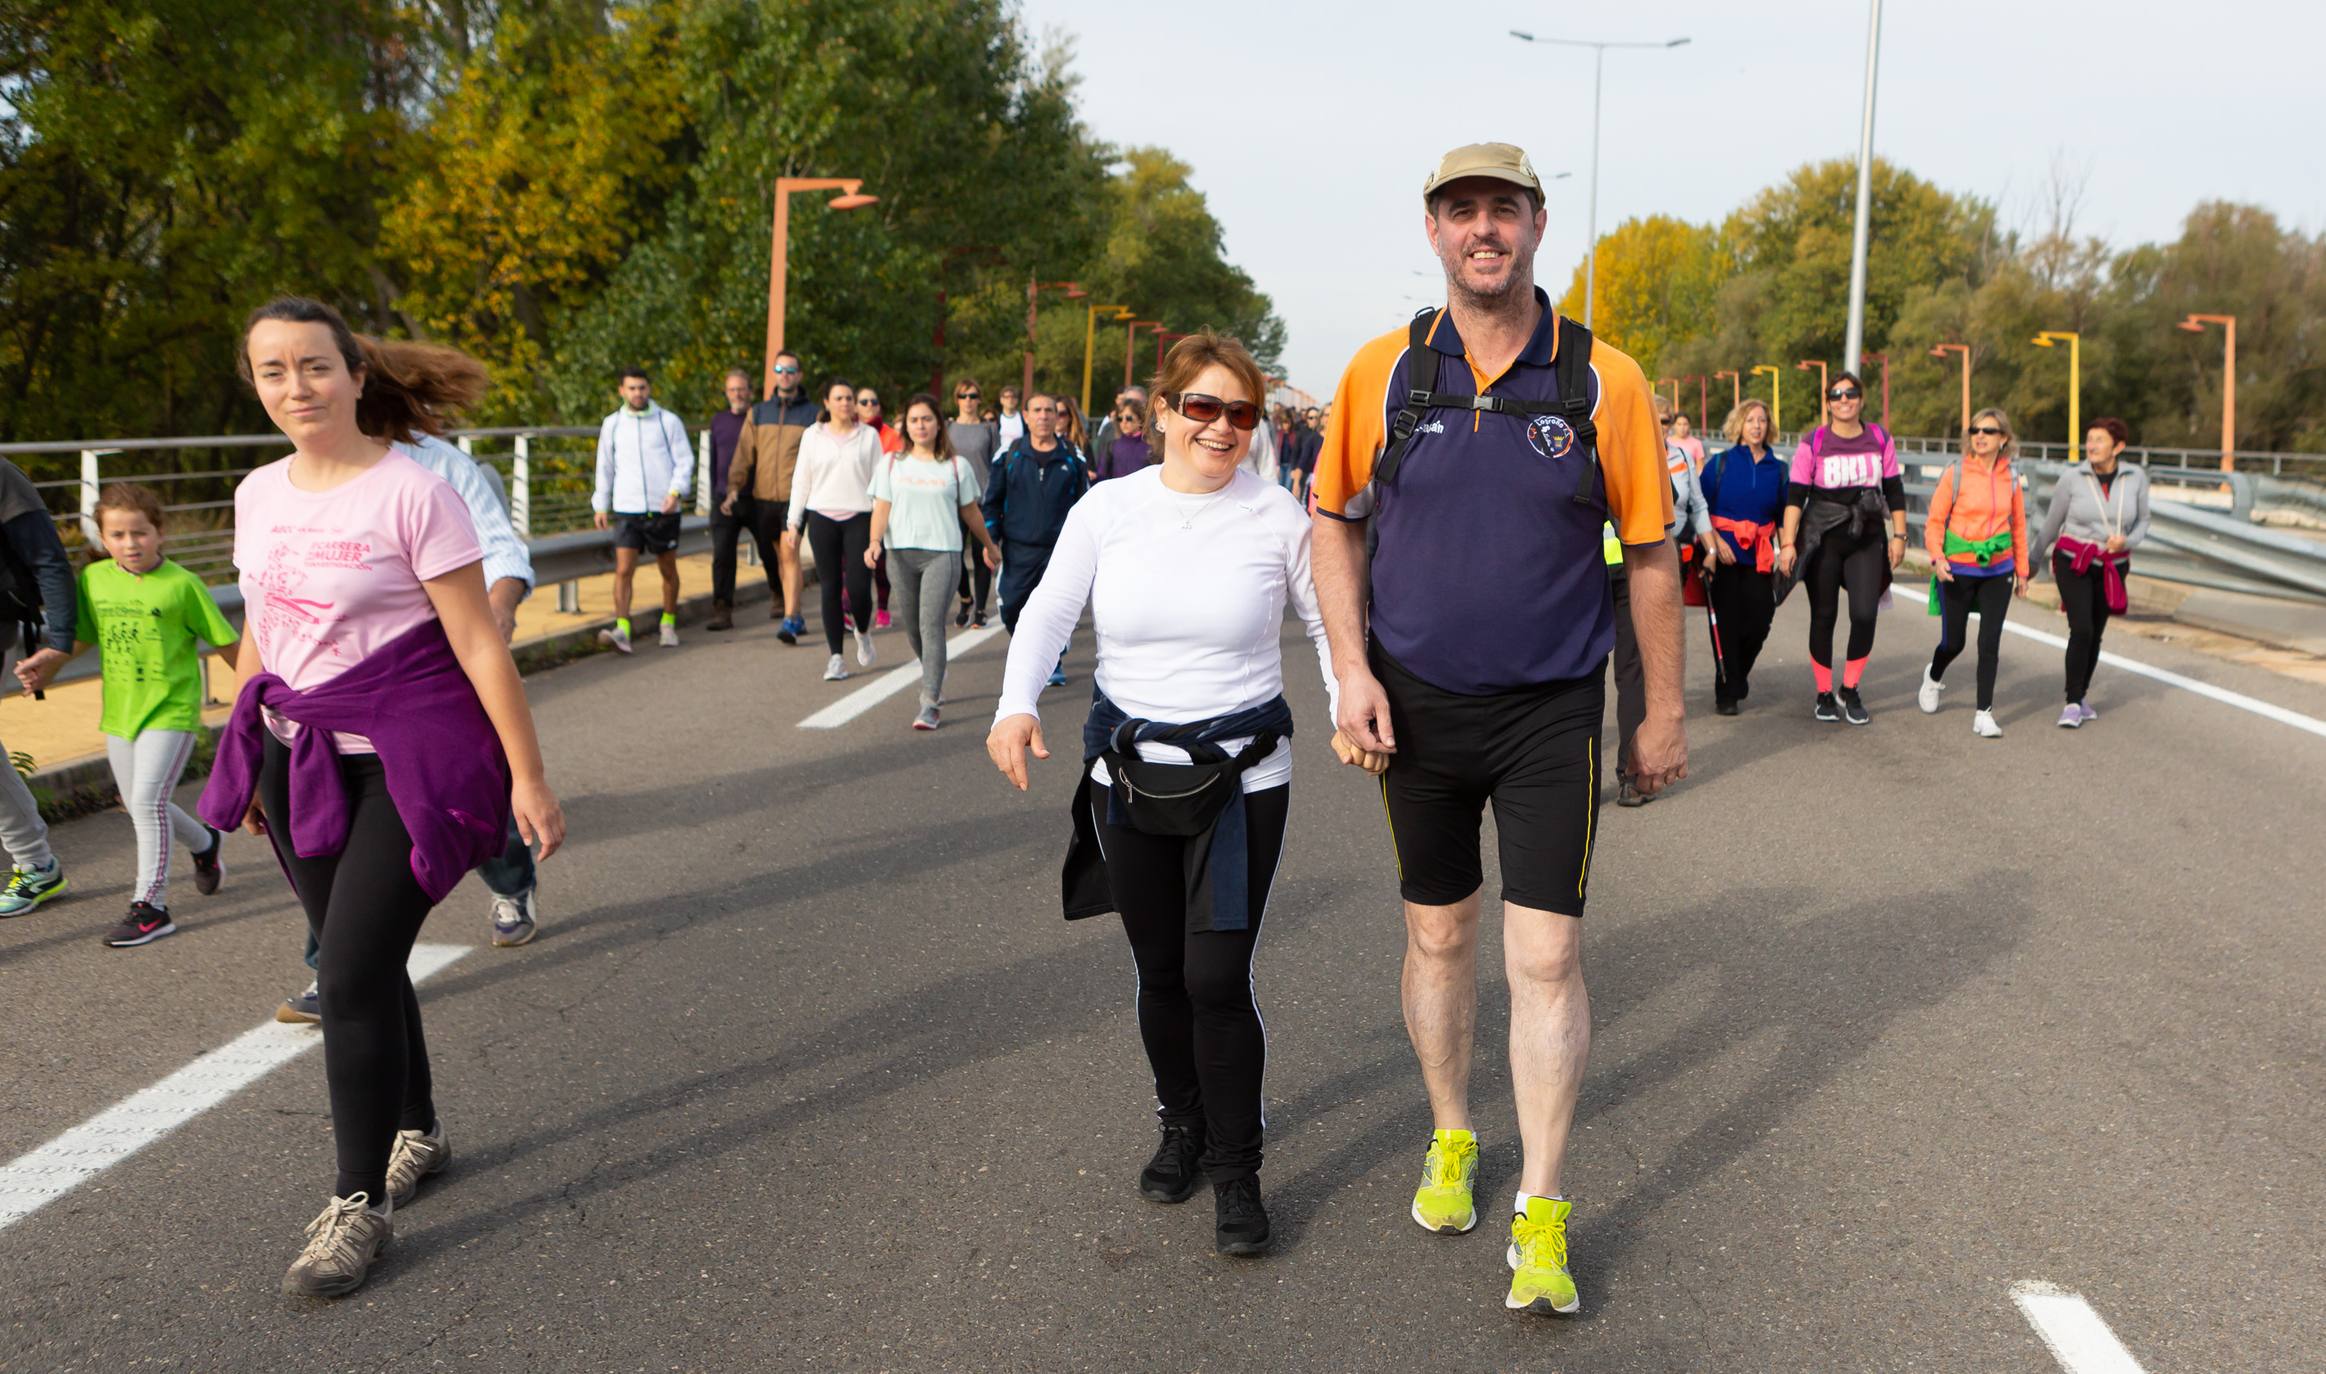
(1659, 754)
(1364, 717)
(598, 518)
(727, 507)
(1375, 764)
(1008, 742)
(670, 503)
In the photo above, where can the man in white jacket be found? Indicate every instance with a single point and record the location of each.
(644, 467)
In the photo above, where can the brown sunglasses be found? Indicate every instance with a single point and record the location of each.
(1204, 409)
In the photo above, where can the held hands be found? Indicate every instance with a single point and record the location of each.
(1373, 763)
(1008, 742)
(1364, 717)
(540, 820)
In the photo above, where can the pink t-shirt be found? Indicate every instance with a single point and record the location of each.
(329, 576)
(1834, 463)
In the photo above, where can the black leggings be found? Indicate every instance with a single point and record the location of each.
(2084, 597)
(1196, 1015)
(976, 568)
(839, 546)
(1746, 602)
(1858, 566)
(365, 909)
(1991, 598)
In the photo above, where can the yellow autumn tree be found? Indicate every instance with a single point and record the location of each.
(1657, 282)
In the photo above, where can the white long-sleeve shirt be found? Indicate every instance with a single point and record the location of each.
(479, 488)
(643, 457)
(1187, 593)
(1260, 458)
(834, 473)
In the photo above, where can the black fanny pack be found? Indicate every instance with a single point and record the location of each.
(1177, 799)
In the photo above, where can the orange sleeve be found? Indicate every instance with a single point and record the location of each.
(1934, 521)
(1631, 452)
(1357, 429)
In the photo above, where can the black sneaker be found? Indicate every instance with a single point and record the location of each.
(210, 864)
(144, 924)
(1827, 707)
(1854, 710)
(1172, 1174)
(1724, 708)
(961, 616)
(1241, 1226)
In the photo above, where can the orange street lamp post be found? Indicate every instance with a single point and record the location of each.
(1965, 349)
(1819, 363)
(1735, 388)
(1034, 290)
(1163, 336)
(1130, 337)
(2195, 324)
(851, 197)
(1089, 338)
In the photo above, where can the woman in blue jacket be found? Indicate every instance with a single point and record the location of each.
(1744, 487)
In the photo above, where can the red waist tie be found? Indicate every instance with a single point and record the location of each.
(1759, 540)
(2081, 557)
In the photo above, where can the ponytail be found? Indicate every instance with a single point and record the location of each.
(409, 388)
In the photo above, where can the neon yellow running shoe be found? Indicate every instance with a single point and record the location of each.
(1443, 1203)
(1539, 1281)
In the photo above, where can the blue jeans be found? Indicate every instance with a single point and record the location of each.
(510, 875)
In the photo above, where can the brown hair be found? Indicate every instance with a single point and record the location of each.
(130, 496)
(1187, 360)
(1665, 410)
(409, 388)
(1733, 426)
(2116, 428)
(2010, 436)
(944, 444)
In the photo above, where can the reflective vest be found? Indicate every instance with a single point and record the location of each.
(1610, 547)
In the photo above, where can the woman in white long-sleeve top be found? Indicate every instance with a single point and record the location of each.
(1187, 757)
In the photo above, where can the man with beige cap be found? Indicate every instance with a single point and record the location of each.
(1472, 461)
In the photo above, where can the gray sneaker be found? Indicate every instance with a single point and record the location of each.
(342, 1242)
(927, 719)
(416, 1155)
(513, 922)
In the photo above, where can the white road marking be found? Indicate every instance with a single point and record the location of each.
(2076, 1336)
(888, 684)
(44, 1174)
(2264, 709)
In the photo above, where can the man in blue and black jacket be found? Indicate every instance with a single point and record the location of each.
(1031, 487)
(37, 602)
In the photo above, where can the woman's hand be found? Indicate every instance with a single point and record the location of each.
(993, 558)
(1715, 548)
(1897, 551)
(1785, 558)
(791, 540)
(254, 820)
(2019, 583)
(540, 820)
(1942, 570)
(872, 556)
(1008, 742)
(2115, 544)
(1721, 551)
(1348, 753)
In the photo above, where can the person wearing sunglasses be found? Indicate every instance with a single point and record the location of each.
(1011, 419)
(759, 484)
(1186, 568)
(2096, 518)
(1976, 536)
(1744, 489)
(831, 504)
(1126, 454)
(1846, 487)
(1470, 643)
(977, 440)
(1033, 485)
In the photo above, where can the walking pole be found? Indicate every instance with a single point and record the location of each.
(1712, 619)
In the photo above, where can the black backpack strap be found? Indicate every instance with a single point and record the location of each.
(1421, 379)
(1573, 371)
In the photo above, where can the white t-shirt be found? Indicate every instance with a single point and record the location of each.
(925, 500)
(1187, 593)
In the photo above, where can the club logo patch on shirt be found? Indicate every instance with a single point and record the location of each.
(1551, 436)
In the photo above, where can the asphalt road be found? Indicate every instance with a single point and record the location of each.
(805, 1072)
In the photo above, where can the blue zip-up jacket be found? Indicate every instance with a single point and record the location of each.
(1028, 492)
(1752, 492)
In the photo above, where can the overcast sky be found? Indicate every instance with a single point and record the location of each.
(1311, 123)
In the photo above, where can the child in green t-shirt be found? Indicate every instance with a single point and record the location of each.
(143, 614)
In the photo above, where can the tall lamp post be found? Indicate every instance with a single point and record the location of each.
(1941, 351)
(1598, 69)
(2195, 324)
(1034, 290)
(1130, 338)
(1735, 388)
(1162, 337)
(1776, 397)
(2050, 338)
(1824, 409)
(851, 197)
(1884, 360)
(1090, 338)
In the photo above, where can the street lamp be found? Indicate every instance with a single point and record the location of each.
(1735, 388)
(1130, 337)
(2050, 338)
(1090, 337)
(1941, 351)
(851, 197)
(1823, 409)
(1856, 340)
(1776, 397)
(2195, 324)
(1034, 289)
(1884, 360)
(1598, 67)
(1163, 336)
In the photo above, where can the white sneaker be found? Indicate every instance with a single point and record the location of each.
(864, 654)
(1927, 697)
(836, 670)
(618, 637)
(1983, 725)
(2071, 717)
(669, 635)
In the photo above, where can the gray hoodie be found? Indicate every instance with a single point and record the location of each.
(2079, 511)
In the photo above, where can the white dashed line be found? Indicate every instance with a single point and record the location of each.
(888, 684)
(48, 1172)
(2076, 1336)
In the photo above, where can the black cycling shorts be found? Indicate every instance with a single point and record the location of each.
(1533, 752)
(656, 534)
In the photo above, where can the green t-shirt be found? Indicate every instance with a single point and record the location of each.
(145, 628)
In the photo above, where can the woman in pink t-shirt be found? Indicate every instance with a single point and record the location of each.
(347, 549)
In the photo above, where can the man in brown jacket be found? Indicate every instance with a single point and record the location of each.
(759, 479)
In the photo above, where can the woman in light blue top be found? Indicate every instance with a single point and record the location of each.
(921, 499)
